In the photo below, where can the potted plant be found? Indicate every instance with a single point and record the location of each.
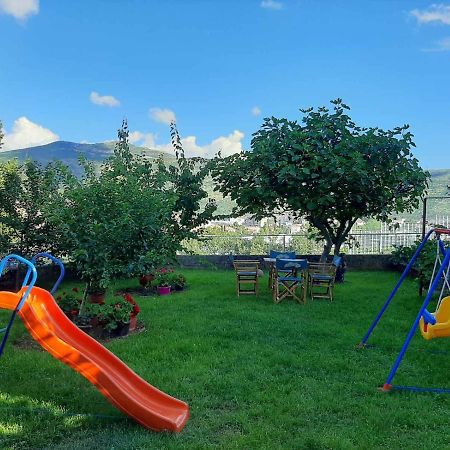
(178, 281)
(70, 303)
(146, 280)
(116, 317)
(162, 280)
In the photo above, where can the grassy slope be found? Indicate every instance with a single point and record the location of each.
(255, 374)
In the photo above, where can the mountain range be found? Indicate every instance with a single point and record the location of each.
(68, 153)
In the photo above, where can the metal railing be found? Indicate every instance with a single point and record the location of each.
(363, 243)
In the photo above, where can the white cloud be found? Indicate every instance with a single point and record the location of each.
(149, 140)
(26, 133)
(20, 9)
(143, 139)
(271, 4)
(435, 13)
(162, 115)
(135, 136)
(441, 46)
(256, 111)
(226, 144)
(103, 100)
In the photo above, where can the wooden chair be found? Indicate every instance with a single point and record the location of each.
(321, 278)
(289, 275)
(275, 254)
(246, 275)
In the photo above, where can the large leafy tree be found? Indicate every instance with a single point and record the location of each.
(325, 169)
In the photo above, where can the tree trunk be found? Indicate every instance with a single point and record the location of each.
(326, 251)
(337, 248)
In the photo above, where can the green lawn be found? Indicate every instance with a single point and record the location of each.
(256, 375)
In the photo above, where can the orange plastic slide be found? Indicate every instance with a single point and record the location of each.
(116, 381)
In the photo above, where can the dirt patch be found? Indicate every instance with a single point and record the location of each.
(26, 342)
(141, 292)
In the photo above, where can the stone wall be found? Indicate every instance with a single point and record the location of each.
(48, 274)
(358, 262)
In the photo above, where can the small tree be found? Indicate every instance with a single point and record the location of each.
(24, 191)
(9, 191)
(326, 169)
(128, 217)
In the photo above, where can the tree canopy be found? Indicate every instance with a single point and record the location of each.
(325, 169)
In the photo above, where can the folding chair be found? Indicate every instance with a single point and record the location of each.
(246, 275)
(274, 254)
(289, 275)
(321, 278)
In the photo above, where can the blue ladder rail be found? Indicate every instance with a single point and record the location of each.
(56, 261)
(31, 271)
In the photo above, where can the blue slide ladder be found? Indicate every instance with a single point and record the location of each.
(53, 259)
(31, 272)
(423, 312)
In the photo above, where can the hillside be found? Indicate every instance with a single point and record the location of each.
(68, 152)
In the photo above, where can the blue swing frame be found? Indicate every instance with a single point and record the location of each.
(423, 312)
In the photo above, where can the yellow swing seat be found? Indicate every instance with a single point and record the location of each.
(442, 326)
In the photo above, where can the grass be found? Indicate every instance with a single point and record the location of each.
(256, 375)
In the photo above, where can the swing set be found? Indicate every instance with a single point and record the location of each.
(432, 325)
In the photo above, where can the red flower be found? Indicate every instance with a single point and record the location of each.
(136, 310)
(75, 289)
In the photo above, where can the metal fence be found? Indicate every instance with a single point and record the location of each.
(260, 244)
(362, 243)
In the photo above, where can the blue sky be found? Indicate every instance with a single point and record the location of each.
(72, 70)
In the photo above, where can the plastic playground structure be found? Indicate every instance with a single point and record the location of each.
(51, 328)
(432, 325)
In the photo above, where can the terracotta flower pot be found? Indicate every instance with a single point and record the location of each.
(97, 297)
(163, 290)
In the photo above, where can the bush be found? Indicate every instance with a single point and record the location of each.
(425, 262)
